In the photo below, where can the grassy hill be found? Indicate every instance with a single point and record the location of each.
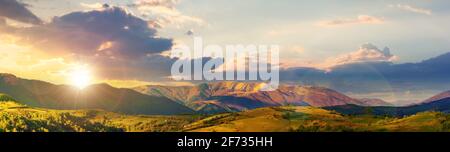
(310, 119)
(441, 105)
(16, 117)
(5, 97)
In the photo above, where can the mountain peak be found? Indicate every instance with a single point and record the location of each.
(441, 59)
(6, 75)
(8, 78)
(238, 86)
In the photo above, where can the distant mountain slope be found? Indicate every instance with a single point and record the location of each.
(442, 105)
(247, 95)
(440, 96)
(42, 94)
(377, 77)
(375, 102)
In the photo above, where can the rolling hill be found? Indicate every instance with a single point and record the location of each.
(100, 96)
(217, 97)
(5, 97)
(440, 105)
(312, 119)
(15, 117)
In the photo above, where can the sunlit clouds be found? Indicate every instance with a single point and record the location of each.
(412, 9)
(127, 42)
(17, 11)
(367, 53)
(360, 19)
(164, 13)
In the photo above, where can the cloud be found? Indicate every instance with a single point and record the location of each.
(153, 3)
(110, 32)
(412, 9)
(94, 5)
(190, 32)
(115, 43)
(164, 12)
(17, 11)
(366, 53)
(432, 75)
(361, 19)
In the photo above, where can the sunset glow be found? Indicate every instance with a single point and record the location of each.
(80, 77)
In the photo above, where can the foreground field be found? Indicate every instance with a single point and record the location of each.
(20, 118)
(310, 119)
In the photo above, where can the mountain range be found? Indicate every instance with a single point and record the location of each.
(438, 103)
(431, 75)
(237, 96)
(203, 98)
(99, 96)
(439, 96)
(207, 98)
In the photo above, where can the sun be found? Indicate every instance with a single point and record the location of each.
(80, 77)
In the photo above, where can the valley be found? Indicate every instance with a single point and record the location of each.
(15, 117)
(37, 106)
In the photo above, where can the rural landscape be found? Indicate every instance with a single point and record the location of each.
(214, 107)
(224, 66)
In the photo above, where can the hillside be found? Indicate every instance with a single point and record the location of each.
(375, 102)
(310, 119)
(101, 96)
(439, 96)
(16, 117)
(442, 105)
(247, 95)
(5, 97)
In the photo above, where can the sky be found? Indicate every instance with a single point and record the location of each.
(124, 42)
(413, 29)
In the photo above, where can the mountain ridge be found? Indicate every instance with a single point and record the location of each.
(98, 96)
(439, 96)
(441, 105)
(250, 96)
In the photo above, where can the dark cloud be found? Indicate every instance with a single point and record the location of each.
(364, 77)
(17, 11)
(148, 68)
(108, 32)
(114, 42)
(190, 32)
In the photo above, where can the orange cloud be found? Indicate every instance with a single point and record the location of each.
(412, 9)
(361, 19)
